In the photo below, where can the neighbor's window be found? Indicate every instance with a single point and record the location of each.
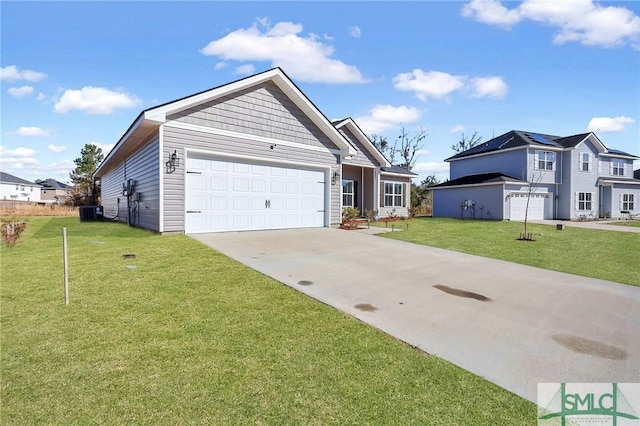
(584, 200)
(617, 167)
(585, 161)
(21, 187)
(347, 193)
(545, 160)
(392, 194)
(628, 202)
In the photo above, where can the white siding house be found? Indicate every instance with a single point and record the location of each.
(252, 154)
(13, 188)
(575, 177)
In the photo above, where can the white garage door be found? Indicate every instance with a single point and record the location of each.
(229, 195)
(519, 206)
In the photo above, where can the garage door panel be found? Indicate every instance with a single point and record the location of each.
(226, 195)
(518, 206)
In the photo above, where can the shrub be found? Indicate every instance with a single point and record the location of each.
(349, 217)
(11, 232)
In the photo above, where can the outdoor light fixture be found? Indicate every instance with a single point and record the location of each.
(335, 178)
(173, 162)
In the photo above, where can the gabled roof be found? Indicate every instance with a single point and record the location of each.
(54, 184)
(519, 138)
(397, 170)
(350, 124)
(7, 178)
(482, 178)
(151, 118)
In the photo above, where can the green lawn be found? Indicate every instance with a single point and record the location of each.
(608, 255)
(192, 337)
(634, 223)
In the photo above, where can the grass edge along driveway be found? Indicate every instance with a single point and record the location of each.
(181, 334)
(607, 255)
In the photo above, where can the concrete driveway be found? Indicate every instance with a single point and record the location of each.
(511, 324)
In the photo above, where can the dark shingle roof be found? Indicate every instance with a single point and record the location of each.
(7, 178)
(492, 177)
(515, 138)
(398, 170)
(54, 184)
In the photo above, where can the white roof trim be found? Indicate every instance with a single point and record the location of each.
(475, 184)
(627, 157)
(364, 140)
(398, 174)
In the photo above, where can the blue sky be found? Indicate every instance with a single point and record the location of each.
(80, 72)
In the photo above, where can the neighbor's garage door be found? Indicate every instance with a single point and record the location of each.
(519, 206)
(229, 195)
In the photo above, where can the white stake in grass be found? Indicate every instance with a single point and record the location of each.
(66, 266)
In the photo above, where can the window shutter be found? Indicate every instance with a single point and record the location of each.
(404, 195)
(621, 202)
(576, 196)
(381, 193)
(610, 167)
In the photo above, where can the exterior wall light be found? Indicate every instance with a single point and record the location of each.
(173, 163)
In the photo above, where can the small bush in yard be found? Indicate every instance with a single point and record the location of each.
(11, 232)
(350, 217)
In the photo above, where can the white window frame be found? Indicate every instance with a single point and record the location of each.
(617, 167)
(351, 194)
(585, 161)
(547, 159)
(584, 201)
(393, 196)
(627, 202)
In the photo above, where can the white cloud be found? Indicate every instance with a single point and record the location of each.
(580, 21)
(22, 162)
(608, 124)
(457, 128)
(246, 69)
(19, 92)
(385, 117)
(438, 84)
(428, 167)
(17, 159)
(220, 65)
(31, 131)
(57, 148)
(13, 73)
(355, 31)
(488, 87)
(434, 84)
(95, 100)
(106, 148)
(40, 97)
(304, 58)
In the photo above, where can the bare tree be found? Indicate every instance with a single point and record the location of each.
(466, 142)
(407, 146)
(533, 181)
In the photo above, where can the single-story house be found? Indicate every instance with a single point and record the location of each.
(252, 154)
(572, 177)
(13, 188)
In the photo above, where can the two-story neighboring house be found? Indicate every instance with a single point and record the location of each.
(13, 188)
(573, 177)
(55, 192)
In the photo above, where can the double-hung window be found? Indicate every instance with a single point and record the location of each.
(393, 194)
(627, 202)
(348, 193)
(585, 160)
(545, 160)
(584, 200)
(617, 167)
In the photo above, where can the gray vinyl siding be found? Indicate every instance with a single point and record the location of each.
(261, 110)
(177, 139)
(363, 157)
(512, 163)
(111, 193)
(142, 166)
(581, 181)
(616, 193)
(540, 175)
(606, 167)
(489, 202)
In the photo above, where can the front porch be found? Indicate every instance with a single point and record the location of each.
(360, 188)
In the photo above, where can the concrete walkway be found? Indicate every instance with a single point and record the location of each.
(604, 225)
(512, 324)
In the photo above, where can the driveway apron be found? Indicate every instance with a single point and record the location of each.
(514, 325)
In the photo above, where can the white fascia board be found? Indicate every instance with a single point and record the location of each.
(626, 157)
(596, 141)
(472, 185)
(355, 129)
(545, 148)
(398, 175)
(252, 158)
(484, 154)
(619, 182)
